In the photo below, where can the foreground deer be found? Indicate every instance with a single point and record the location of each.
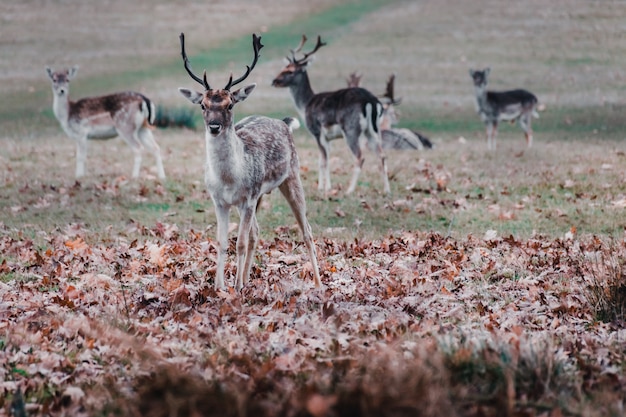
(393, 137)
(493, 106)
(127, 114)
(351, 113)
(243, 162)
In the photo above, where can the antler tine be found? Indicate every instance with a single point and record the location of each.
(298, 49)
(188, 66)
(308, 54)
(354, 79)
(256, 45)
(389, 92)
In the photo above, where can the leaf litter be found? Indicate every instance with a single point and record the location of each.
(138, 327)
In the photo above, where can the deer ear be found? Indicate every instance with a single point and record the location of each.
(487, 70)
(193, 96)
(72, 72)
(243, 93)
(49, 71)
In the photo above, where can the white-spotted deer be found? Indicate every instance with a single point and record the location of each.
(351, 113)
(127, 114)
(493, 106)
(244, 161)
(393, 137)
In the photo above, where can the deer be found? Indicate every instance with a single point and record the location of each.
(245, 161)
(393, 138)
(351, 113)
(127, 114)
(513, 105)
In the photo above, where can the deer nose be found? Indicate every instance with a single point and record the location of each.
(215, 128)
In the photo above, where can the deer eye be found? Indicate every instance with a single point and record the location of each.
(202, 107)
(230, 106)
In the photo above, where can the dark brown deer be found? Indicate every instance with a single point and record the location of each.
(393, 138)
(244, 161)
(512, 105)
(127, 114)
(351, 113)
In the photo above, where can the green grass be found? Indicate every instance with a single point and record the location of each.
(606, 122)
(34, 108)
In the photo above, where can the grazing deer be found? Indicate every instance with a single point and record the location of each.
(244, 161)
(493, 106)
(127, 114)
(393, 137)
(351, 113)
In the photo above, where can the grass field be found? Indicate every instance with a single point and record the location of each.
(473, 264)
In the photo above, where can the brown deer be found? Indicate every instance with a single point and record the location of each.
(493, 106)
(351, 113)
(127, 114)
(244, 161)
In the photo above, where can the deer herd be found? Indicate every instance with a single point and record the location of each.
(256, 155)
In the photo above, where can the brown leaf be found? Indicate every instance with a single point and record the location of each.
(319, 405)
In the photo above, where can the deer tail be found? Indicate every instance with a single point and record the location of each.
(373, 112)
(148, 109)
(292, 123)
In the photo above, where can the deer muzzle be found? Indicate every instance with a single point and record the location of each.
(278, 83)
(214, 128)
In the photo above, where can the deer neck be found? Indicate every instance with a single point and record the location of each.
(301, 92)
(61, 109)
(224, 155)
(481, 96)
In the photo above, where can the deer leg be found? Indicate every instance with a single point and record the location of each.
(246, 214)
(375, 143)
(81, 156)
(131, 137)
(137, 162)
(221, 213)
(353, 143)
(525, 124)
(492, 131)
(252, 244)
(294, 194)
(147, 140)
(323, 183)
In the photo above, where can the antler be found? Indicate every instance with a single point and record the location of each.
(317, 46)
(256, 45)
(354, 79)
(298, 49)
(308, 54)
(389, 91)
(202, 80)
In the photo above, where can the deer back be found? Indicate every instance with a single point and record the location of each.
(342, 107)
(118, 106)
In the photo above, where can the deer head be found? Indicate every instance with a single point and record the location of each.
(217, 104)
(295, 66)
(61, 80)
(480, 77)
